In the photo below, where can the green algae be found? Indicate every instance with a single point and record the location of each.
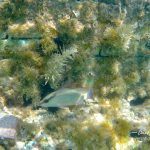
(122, 128)
(112, 42)
(106, 38)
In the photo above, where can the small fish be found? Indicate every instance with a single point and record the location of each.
(138, 133)
(66, 97)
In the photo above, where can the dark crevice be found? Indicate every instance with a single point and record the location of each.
(45, 89)
(138, 101)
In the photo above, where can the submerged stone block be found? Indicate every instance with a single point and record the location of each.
(8, 126)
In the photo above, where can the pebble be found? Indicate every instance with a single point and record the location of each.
(8, 126)
(20, 145)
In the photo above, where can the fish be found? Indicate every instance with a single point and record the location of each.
(138, 133)
(66, 97)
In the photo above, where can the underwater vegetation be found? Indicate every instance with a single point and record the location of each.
(86, 134)
(36, 60)
(51, 50)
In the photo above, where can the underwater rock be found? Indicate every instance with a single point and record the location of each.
(3, 36)
(20, 145)
(97, 118)
(41, 140)
(8, 126)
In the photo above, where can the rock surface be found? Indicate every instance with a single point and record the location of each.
(8, 126)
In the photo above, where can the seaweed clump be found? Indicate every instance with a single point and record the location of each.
(122, 129)
(31, 62)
